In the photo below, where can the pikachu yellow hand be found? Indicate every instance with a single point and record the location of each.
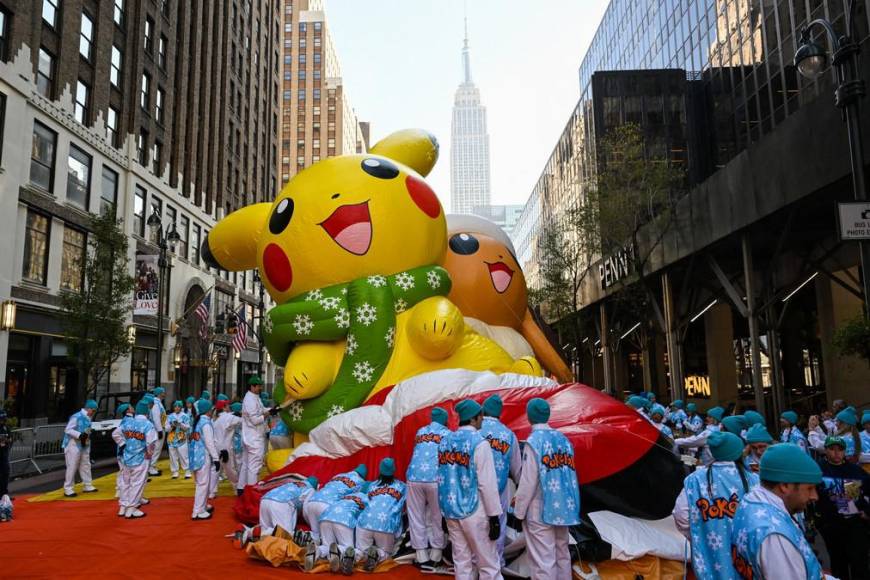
(436, 328)
(311, 368)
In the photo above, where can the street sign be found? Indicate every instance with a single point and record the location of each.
(854, 220)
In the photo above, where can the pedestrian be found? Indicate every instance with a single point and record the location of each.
(206, 396)
(754, 418)
(766, 542)
(736, 424)
(158, 418)
(695, 423)
(280, 506)
(790, 432)
(76, 446)
(424, 513)
(705, 508)
(138, 440)
(506, 458)
(638, 403)
(548, 496)
(468, 496)
(178, 424)
(677, 416)
(220, 426)
(337, 525)
(254, 427)
(714, 416)
(204, 460)
(380, 523)
(815, 434)
(864, 436)
(5, 452)
(237, 450)
(843, 511)
(757, 442)
(340, 485)
(847, 428)
(657, 414)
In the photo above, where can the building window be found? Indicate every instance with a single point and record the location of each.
(287, 95)
(72, 261)
(45, 74)
(303, 27)
(301, 74)
(149, 35)
(2, 122)
(142, 147)
(83, 95)
(78, 182)
(302, 58)
(157, 155)
(145, 93)
(183, 233)
(118, 14)
(109, 192)
(4, 35)
(164, 8)
(158, 106)
(316, 58)
(301, 94)
(115, 72)
(86, 37)
(317, 94)
(35, 248)
(194, 244)
(139, 211)
(50, 8)
(161, 52)
(112, 126)
(42, 156)
(171, 215)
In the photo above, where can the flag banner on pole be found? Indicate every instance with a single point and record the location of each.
(147, 289)
(240, 340)
(202, 312)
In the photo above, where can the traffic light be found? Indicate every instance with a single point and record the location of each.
(232, 323)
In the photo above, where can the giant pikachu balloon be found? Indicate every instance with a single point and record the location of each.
(350, 252)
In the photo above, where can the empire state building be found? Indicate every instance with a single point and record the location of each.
(469, 146)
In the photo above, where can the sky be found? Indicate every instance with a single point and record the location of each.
(401, 62)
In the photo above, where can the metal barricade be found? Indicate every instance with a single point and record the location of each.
(21, 452)
(48, 440)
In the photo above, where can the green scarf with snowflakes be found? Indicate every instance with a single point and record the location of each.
(362, 311)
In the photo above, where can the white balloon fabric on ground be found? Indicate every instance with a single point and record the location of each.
(633, 538)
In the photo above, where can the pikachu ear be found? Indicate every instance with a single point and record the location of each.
(232, 243)
(416, 148)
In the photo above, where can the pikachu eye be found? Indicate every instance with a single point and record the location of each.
(281, 216)
(380, 168)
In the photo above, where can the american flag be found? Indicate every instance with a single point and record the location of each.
(202, 311)
(240, 340)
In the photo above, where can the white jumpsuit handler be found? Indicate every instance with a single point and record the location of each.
(380, 523)
(281, 506)
(77, 449)
(203, 459)
(138, 441)
(424, 513)
(468, 496)
(340, 485)
(178, 424)
(548, 496)
(158, 418)
(254, 426)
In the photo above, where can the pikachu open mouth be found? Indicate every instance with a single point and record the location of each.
(350, 226)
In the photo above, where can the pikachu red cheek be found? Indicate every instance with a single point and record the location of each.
(277, 267)
(423, 196)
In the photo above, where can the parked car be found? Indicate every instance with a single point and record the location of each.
(105, 420)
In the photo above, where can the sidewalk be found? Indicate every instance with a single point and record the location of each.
(51, 480)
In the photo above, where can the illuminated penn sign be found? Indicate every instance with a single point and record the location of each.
(697, 386)
(616, 267)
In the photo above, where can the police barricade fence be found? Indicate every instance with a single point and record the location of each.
(21, 451)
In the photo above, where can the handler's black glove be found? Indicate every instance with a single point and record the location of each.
(494, 528)
(160, 435)
(274, 411)
(83, 438)
(121, 449)
(225, 455)
(217, 465)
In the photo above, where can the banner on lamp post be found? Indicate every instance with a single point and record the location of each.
(147, 286)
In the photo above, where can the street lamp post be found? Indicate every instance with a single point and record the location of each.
(811, 60)
(260, 307)
(165, 243)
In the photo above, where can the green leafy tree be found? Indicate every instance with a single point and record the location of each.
(627, 206)
(853, 338)
(94, 318)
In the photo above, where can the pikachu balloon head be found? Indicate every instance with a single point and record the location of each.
(341, 219)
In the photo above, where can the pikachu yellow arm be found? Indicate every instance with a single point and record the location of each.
(232, 243)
